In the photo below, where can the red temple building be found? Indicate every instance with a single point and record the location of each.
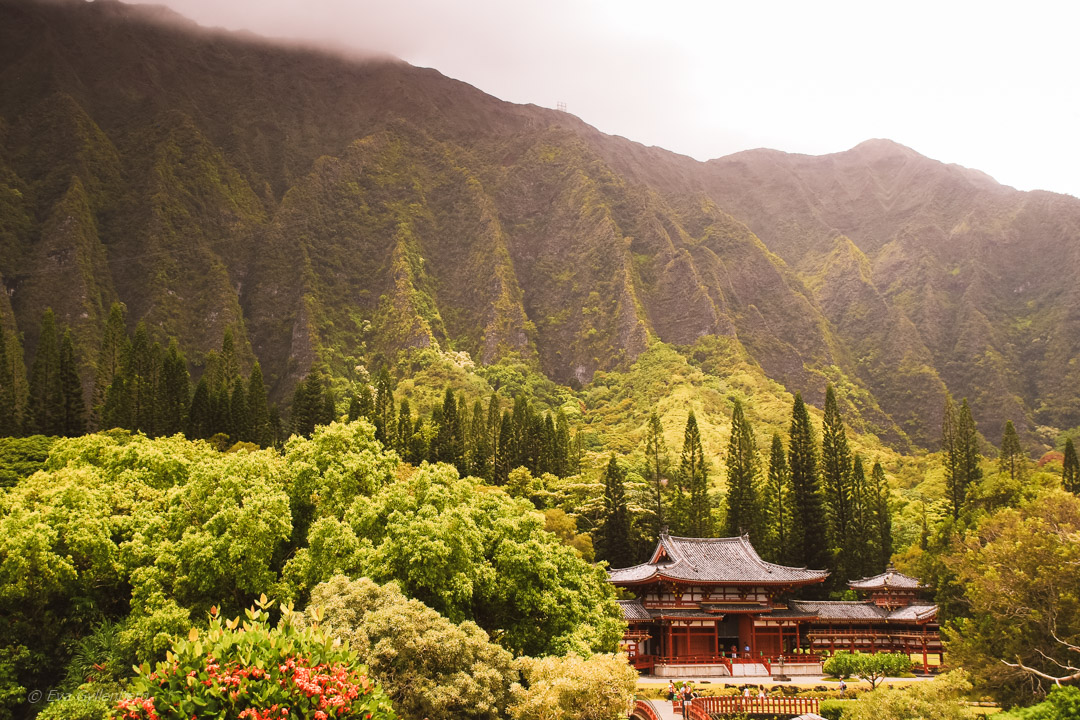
(712, 606)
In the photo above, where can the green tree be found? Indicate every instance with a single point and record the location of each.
(941, 699)
(1018, 570)
(384, 407)
(696, 520)
(656, 462)
(1070, 469)
(613, 541)
(778, 495)
(810, 528)
(480, 459)
(1012, 460)
(9, 417)
(46, 403)
(308, 405)
(872, 667)
(599, 687)
(881, 515)
(743, 508)
(239, 416)
(258, 407)
(174, 391)
(200, 415)
(141, 372)
(837, 487)
(114, 348)
(429, 666)
(73, 420)
(960, 448)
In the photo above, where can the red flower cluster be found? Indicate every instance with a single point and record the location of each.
(333, 686)
(138, 708)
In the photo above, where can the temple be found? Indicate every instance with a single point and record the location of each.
(712, 606)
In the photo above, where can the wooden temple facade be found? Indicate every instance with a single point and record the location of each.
(713, 606)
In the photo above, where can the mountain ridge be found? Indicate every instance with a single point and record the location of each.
(333, 211)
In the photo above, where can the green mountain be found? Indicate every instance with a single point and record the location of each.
(335, 211)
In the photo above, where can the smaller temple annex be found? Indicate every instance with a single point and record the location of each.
(712, 606)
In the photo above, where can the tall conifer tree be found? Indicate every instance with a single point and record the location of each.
(384, 408)
(836, 481)
(480, 460)
(74, 407)
(1070, 469)
(9, 418)
(743, 508)
(613, 534)
(114, 348)
(695, 478)
(809, 527)
(174, 391)
(239, 416)
(778, 503)
(141, 370)
(656, 462)
(258, 407)
(46, 404)
(882, 517)
(1012, 460)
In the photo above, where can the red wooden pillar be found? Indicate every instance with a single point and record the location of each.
(670, 650)
(925, 663)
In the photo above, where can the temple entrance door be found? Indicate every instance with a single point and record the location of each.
(727, 634)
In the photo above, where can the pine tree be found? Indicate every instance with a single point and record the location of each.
(258, 407)
(74, 407)
(200, 414)
(809, 526)
(141, 370)
(778, 502)
(403, 443)
(384, 408)
(743, 508)
(836, 483)
(656, 462)
(449, 436)
(9, 418)
(960, 448)
(1011, 459)
(46, 404)
(695, 478)
(503, 457)
(328, 409)
(613, 533)
(114, 348)
(494, 423)
(239, 415)
(862, 547)
(230, 363)
(562, 444)
(1070, 469)
(479, 443)
(307, 405)
(882, 517)
(174, 391)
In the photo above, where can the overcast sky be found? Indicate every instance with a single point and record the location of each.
(990, 85)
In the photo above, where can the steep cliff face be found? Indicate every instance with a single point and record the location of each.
(331, 211)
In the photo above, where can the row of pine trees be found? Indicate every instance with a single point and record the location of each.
(807, 505)
(484, 441)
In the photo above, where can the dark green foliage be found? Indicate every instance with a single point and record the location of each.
(809, 525)
(308, 406)
(200, 424)
(73, 420)
(479, 443)
(1012, 460)
(613, 540)
(879, 516)
(743, 505)
(258, 410)
(777, 502)
(21, 457)
(960, 448)
(142, 371)
(1070, 469)
(449, 435)
(691, 511)
(45, 407)
(174, 392)
(838, 490)
(656, 462)
(384, 410)
(9, 418)
(114, 348)
(240, 415)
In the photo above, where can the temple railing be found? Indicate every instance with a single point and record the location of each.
(703, 707)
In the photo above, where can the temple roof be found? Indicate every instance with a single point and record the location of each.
(729, 561)
(859, 611)
(634, 611)
(888, 579)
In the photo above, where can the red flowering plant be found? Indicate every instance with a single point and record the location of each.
(251, 670)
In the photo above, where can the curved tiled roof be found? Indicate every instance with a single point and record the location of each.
(914, 613)
(634, 611)
(840, 609)
(730, 560)
(888, 579)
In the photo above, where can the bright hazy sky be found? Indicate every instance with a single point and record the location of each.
(990, 85)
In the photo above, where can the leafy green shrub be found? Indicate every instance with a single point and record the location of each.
(254, 671)
(600, 687)
(873, 667)
(1063, 703)
(833, 709)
